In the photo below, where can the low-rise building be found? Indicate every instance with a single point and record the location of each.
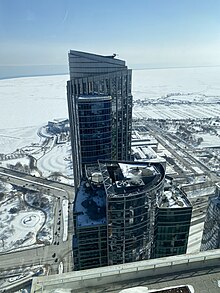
(58, 125)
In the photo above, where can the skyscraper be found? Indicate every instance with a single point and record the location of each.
(115, 199)
(172, 222)
(92, 76)
(114, 216)
(132, 189)
(211, 231)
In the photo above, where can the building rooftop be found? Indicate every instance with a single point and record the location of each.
(95, 58)
(90, 205)
(141, 139)
(147, 154)
(144, 152)
(59, 121)
(174, 198)
(126, 177)
(122, 177)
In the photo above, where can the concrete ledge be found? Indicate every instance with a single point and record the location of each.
(126, 272)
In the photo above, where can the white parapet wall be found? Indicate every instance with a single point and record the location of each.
(127, 272)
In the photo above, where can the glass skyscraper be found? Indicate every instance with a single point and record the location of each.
(93, 76)
(211, 231)
(120, 209)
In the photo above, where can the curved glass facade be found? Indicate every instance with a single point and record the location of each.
(171, 231)
(211, 232)
(95, 120)
(132, 190)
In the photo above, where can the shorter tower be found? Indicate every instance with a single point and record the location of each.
(172, 222)
(211, 232)
(132, 189)
(90, 229)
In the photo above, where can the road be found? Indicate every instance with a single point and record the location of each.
(28, 181)
(49, 254)
(174, 147)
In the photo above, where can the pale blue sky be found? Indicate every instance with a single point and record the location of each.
(143, 32)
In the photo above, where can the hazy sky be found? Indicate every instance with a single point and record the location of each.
(143, 32)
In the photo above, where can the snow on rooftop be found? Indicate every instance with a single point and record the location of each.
(173, 199)
(146, 153)
(90, 205)
(59, 120)
(138, 289)
(198, 170)
(142, 138)
(132, 170)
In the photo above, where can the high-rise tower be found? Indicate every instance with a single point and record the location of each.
(114, 213)
(93, 76)
(211, 231)
(119, 207)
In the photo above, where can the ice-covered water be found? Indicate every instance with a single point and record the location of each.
(32, 101)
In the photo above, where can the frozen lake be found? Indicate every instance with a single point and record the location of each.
(32, 101)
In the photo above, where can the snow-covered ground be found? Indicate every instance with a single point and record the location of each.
(29, 103)
(156, 83)
(32, 101)
(51, 160)
(178, 93)
(14, 138)
(210, 140)
(47, 204)
(23, 225)
(19, 227)
(21, 274)
(56, 160)
(182, 111)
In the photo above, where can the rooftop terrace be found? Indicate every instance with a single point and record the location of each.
(125, 177)
(90, 205)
